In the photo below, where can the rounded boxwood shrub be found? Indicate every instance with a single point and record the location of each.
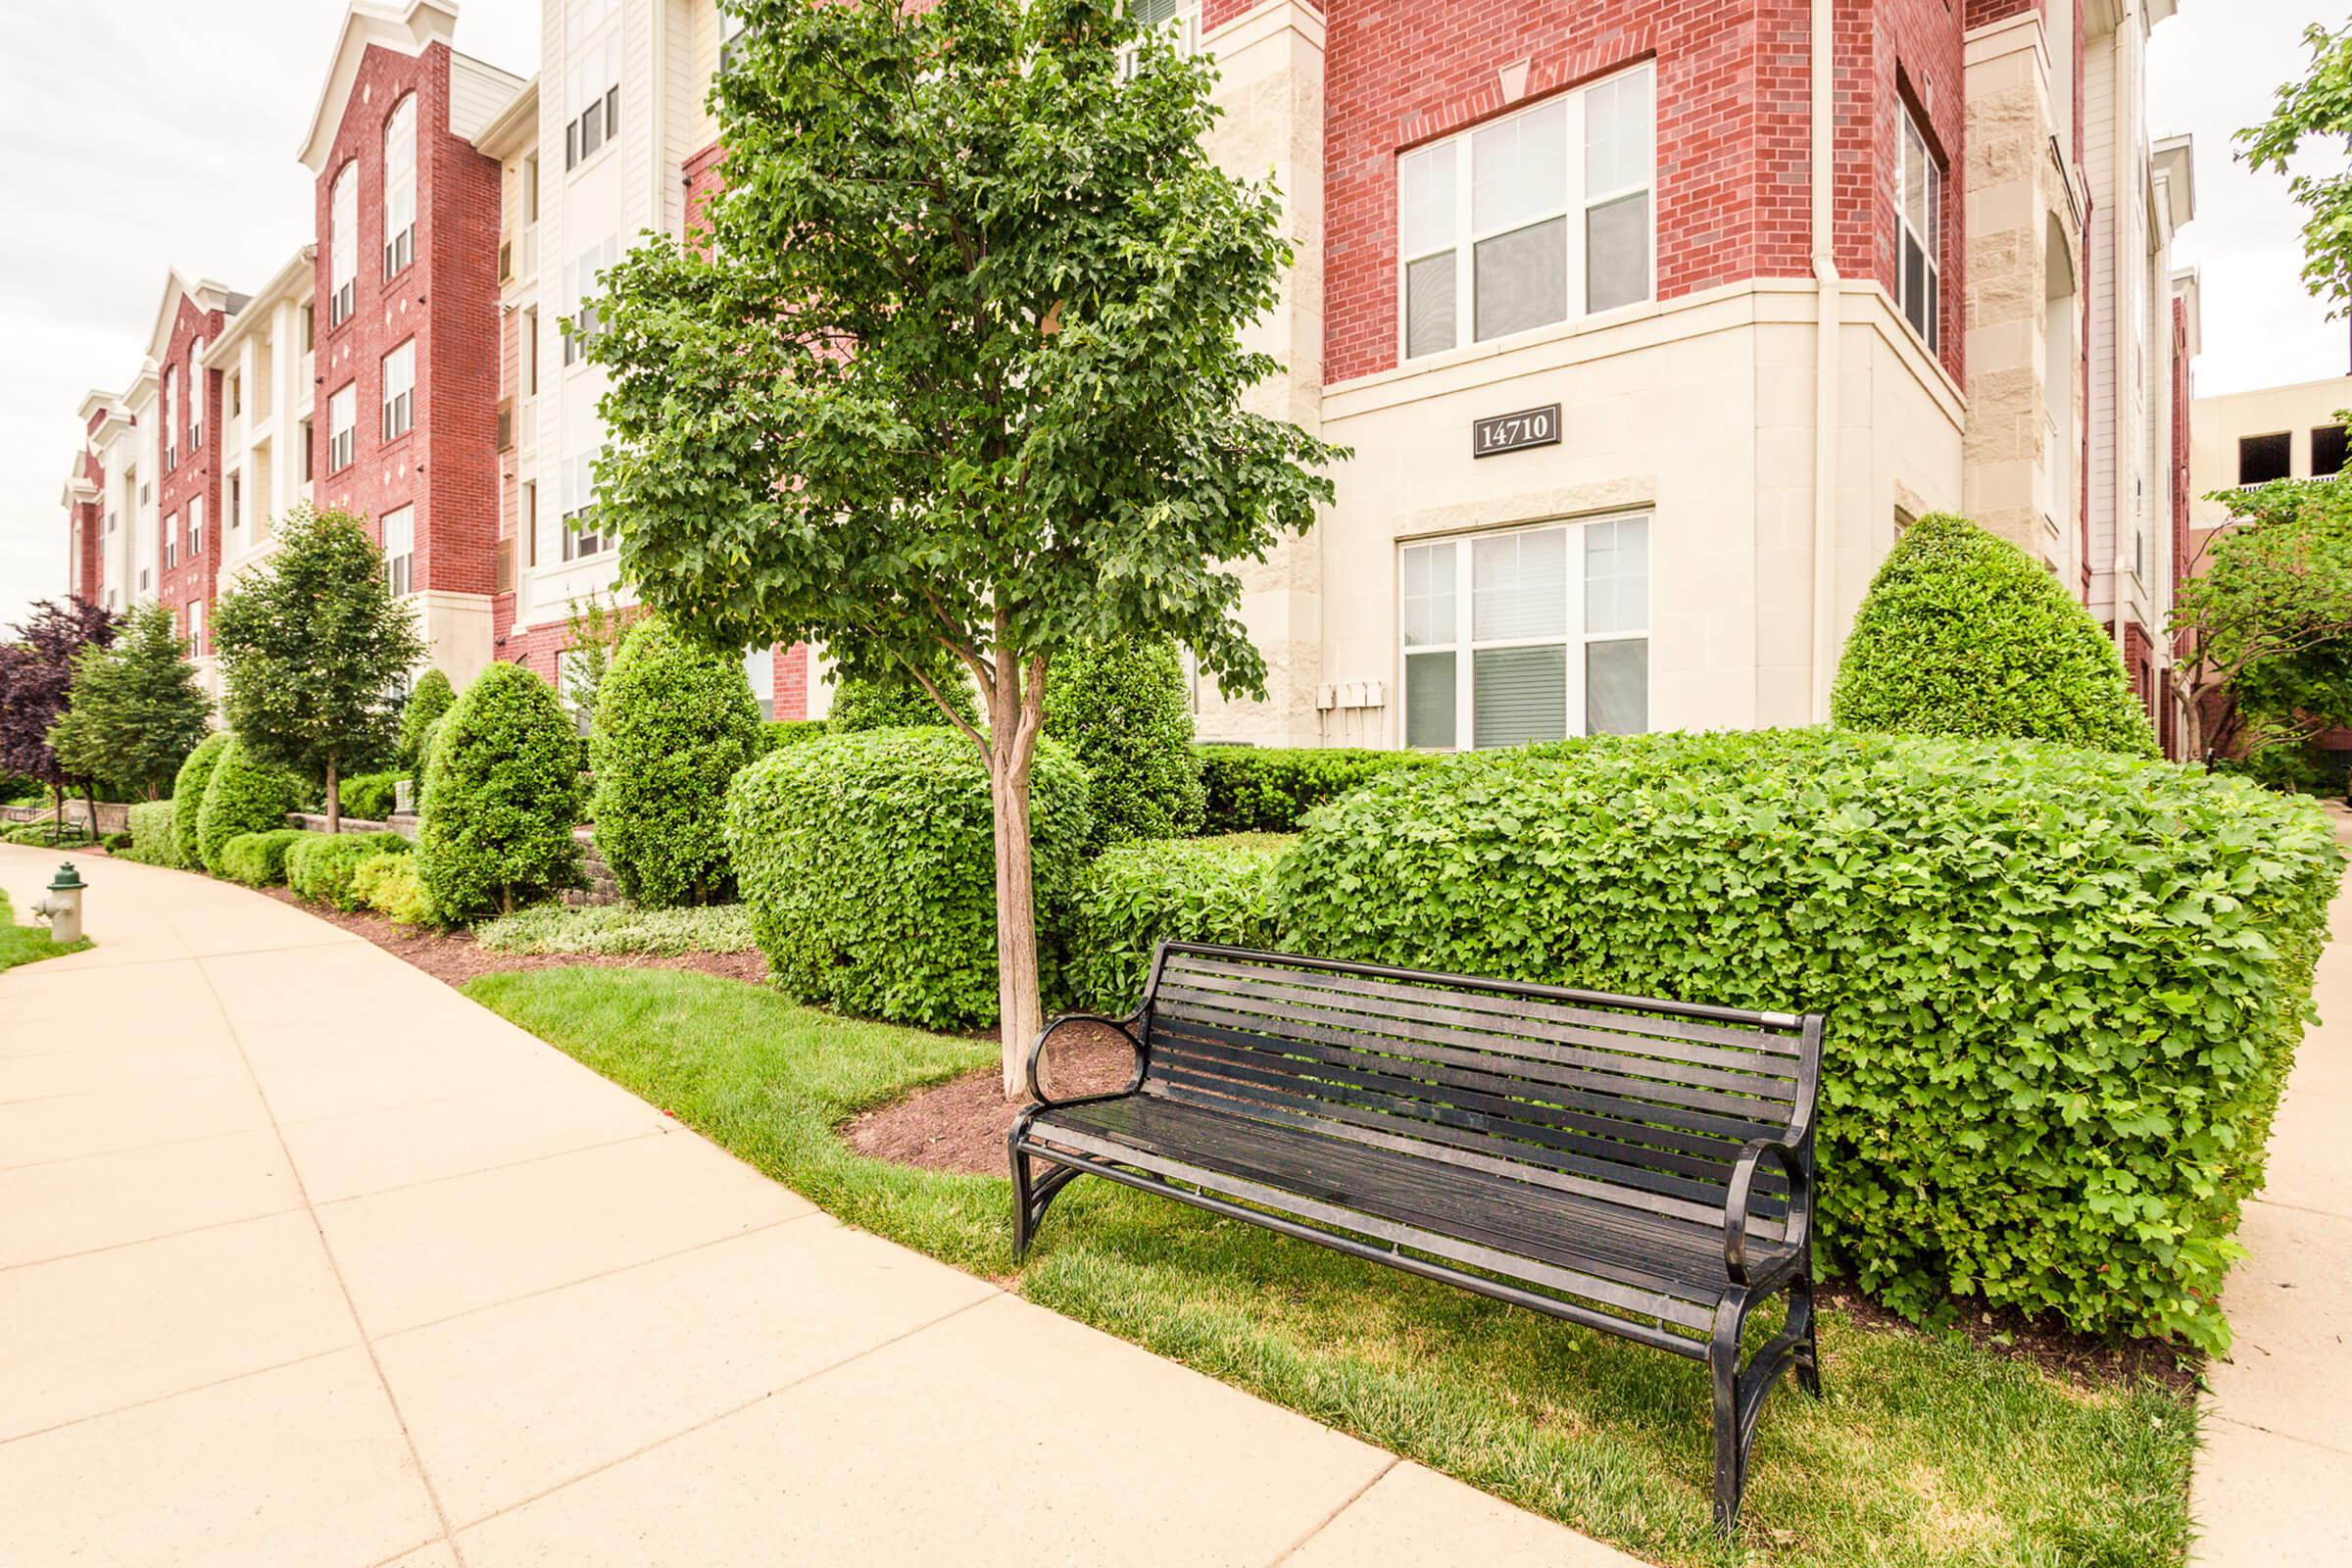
(323, 867)
(259, 860)
(154, 837)
(1123, 708)
(242, 796)
(864, 705)
(1250, 789)
(502, 790)
(1962, 634)
(868, 863)
(429, 702)
(2062, 985)
(187, 796)
(673, 723)
(1132, 896)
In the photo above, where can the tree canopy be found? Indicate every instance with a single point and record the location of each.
(36, 682)
(313, 646)
(136, 709)
(2316, 108)
(958, 365)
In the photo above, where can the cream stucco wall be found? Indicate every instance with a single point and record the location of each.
(2217, 423)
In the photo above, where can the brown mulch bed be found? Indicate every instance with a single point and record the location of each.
(960, 1125)
(456, 957)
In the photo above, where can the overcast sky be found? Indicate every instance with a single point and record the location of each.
(138, 136)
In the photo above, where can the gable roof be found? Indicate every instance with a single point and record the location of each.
(408, 27)
(206, 294)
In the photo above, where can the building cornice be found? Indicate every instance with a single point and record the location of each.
(514, 129)
(294, 283)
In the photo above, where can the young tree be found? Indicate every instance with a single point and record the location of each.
(957, 365)
(137, 711)
(311, 645)
(2318, 108)
(36, 682)
(2268, 621)
(593, 628)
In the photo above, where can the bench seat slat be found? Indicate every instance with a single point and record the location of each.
(1488, 997)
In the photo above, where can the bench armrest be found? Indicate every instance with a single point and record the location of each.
(1793, 1159)
(1036, 1047)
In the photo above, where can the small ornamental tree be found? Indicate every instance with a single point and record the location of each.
(957, 367)
(244, 795)
(36, 682)
(2316, 109)
(1122, 708)
(673, 723)
(429, 702)
(501, 793)
(187, 795)
(137, 711)
(1962, 634)
(311, 645)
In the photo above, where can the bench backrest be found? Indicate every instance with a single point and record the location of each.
(1642, 1101)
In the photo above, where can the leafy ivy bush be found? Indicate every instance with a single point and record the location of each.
(864, 705)
(2062, 987)
(153, 841)
(1962, 634)
(613, 928)
(673, 723)
(777, 733)
(187, 796)
(385, 881)
(429, 701)
(868, 863)
(1123, 708)
(259, 860)
(369, 796)
(1270, 790)
(242, 796)
(1132, 896)
(322, 866)
(502, 790)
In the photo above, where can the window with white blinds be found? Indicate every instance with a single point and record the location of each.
(1919, 213)
(400, 390)
(400, 187)
(343, 245)
(400, 548)
(1536, 634)
(1528, 219)
(342, 434)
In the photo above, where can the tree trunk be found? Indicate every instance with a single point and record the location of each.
(334, 804)
(57, 815)
(89, 802)
(1016, 714)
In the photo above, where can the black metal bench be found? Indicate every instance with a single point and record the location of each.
(1641, 1167)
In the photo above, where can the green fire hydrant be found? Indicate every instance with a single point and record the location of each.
(61, 908)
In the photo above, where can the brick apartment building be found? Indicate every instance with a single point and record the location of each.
(1650, 327)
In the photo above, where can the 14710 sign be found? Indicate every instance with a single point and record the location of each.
(1508, 432)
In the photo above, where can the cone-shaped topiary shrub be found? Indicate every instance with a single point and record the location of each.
(429, 702)
(187, 796)
(2062, 985)
(242, 796)
(674, 721)
(869, 865)
(1962, 634)
(1122, 708)
(501, 792)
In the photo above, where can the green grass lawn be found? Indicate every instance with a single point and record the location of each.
(1927, 1450)
(28, 944)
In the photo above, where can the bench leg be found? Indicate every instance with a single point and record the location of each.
(1723, 1373)
(1032, 1195)
(1022, 1219)
(1800, 1328)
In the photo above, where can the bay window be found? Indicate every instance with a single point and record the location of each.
(343, 246)
(1531, 634)
(400, 187)
(1530, 220)
(1919, 226)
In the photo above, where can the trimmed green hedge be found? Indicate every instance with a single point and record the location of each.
(1123, 709)
(673, 723)
(321, 867)
(259, 860)
(777, 733)
(2062, 987)
(1270, 790)
(868, 861)
(1135, 895)
(385, 881)
(370, 796)
(188, 796)
(242, 796)
(1962, 633)
(501, 792)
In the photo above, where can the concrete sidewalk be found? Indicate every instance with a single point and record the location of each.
(307, 1259)
(2273, 1476)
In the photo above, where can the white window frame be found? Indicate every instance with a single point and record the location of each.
(1578, 202)
(1910, 139)
(195, 526)
(196, 394)
(195, 626)
(170, 417)
(580, 287)
(398, 528)
(343, 246)
(593, 100)
(400, 391)
(1574, 636)
(400, 187)
(581, 537)
(171, 543)
(342, 427)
